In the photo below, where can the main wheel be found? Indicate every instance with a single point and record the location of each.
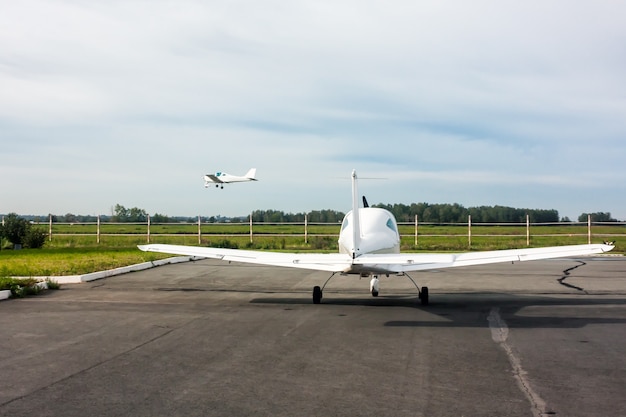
(424, 296)
(317, 295)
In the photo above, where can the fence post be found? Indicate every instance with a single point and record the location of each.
(469, 231)
(199, 231)
(527, 230)
(148, 237)
(589, 229)
(49, 227)
(416, 226)
(306, 228)
(250, 227)
(98, 231)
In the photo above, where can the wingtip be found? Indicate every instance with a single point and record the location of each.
(608, 246)
(603, 247)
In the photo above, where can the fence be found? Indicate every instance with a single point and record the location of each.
(306, 230)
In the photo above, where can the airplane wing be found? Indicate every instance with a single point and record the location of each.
(332, 262)
(406, 262)
(396, 263)
(214, 178)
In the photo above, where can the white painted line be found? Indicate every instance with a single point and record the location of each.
(500, 334)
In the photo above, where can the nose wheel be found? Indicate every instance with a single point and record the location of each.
(374, 286)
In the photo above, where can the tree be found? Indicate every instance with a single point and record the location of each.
(324, 216)
(160, 218)
(120, 213)
(133, 215)
(35, 237)
(70, 218)
(19, 231)
(137, 215)
(596, 217)
(14, 228)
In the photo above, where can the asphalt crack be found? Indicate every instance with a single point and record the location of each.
(566, 274)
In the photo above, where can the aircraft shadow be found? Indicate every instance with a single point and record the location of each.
(472, 309)
(384, 301)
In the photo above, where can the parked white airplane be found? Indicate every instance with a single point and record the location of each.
(221, 178)
(369, 246)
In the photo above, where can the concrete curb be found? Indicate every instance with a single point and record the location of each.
(77, 279)
(6, 294)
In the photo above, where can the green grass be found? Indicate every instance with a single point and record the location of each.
(69, 261)
(19, 287)
(76, 255)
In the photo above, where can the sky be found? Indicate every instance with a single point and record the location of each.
(520, 104)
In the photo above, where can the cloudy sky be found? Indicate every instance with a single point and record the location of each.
(128, 102)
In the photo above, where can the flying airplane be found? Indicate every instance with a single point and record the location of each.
(369, 246)
(221, 178)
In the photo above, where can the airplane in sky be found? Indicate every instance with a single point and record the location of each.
(369, 246)
(221, 178)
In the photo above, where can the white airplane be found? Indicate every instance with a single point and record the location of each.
(221, 178)
(369, 246)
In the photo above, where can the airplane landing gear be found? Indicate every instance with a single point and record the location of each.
(318, 291)
(423, 296)
(374, 286)
(317, 295)
(422, 293)
(374, 289)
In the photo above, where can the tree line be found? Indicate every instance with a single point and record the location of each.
(404, 213)
(456, 213)
(436, 213)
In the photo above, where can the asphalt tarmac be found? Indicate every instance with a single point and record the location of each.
(207, 338)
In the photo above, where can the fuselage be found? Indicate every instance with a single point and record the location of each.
(377, 232)
(225, 178)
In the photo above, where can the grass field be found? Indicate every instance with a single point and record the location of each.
(74, 249)
(69, 261)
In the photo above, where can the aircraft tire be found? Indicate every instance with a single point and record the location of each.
(374, 293)
(317, 295)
